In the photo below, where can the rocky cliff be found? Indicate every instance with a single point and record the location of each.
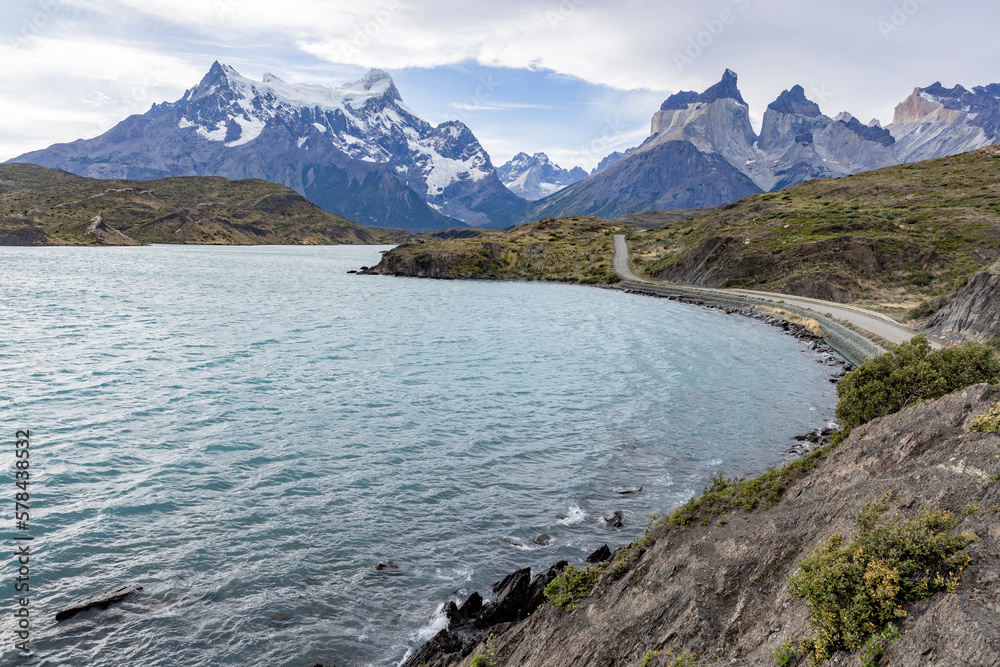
(973, 314)
(937, 121)
(719, 588)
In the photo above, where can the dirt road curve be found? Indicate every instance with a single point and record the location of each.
(876, 323)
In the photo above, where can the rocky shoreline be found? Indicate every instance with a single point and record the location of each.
(516, 596)
(720, 589)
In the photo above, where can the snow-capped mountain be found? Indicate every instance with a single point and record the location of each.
(357, 150)
(532, 177)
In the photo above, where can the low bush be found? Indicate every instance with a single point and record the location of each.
(572, 584)
(986, 423)
(909, 374)
(727, 495)
(487, 659)
(854, 591)
(784, 655)
(652, 659)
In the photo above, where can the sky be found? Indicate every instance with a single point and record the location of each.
(575, 79)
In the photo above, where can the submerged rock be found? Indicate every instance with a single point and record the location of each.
(628, 489)
(615, 519)
(102, 601)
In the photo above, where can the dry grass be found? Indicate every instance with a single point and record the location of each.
(810, 325)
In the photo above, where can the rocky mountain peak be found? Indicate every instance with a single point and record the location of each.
(218, 77)
(939, 91)
(679, 100)
(794, 101)
(378, 85)
(870, 132)
(726, 88)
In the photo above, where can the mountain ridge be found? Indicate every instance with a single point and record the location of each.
(797, 142)
(357, 150)
(532, 177)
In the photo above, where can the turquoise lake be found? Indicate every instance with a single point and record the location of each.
(246, 431)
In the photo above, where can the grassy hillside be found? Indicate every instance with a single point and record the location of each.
(894, 239)
(40, 206)
(565, 249)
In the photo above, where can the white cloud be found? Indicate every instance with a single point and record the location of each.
(57, 90)
(655, 45)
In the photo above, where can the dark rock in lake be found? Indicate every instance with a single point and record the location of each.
(510, 596)
(387, 566)
(544, 540)
(601, 555)
(102, 601)
(471, 607)
(615, 519)
(464, 614)
(629, 489)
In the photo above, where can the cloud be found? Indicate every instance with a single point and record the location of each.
(498, 106)
(56, 90)
(844, 50)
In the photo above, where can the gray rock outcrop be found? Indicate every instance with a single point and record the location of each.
(974, 314)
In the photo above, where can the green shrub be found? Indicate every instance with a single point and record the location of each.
(909, 374)
(727, 495)
(854, 591)
(986, 423)
(787, 652)
(928, 308)
(488, 659)
(572, 584)
(876, 645)
(649, 658)
(682, 660)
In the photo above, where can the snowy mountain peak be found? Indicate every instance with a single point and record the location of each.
(365, 120)
(374, 77)
(535, 176)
